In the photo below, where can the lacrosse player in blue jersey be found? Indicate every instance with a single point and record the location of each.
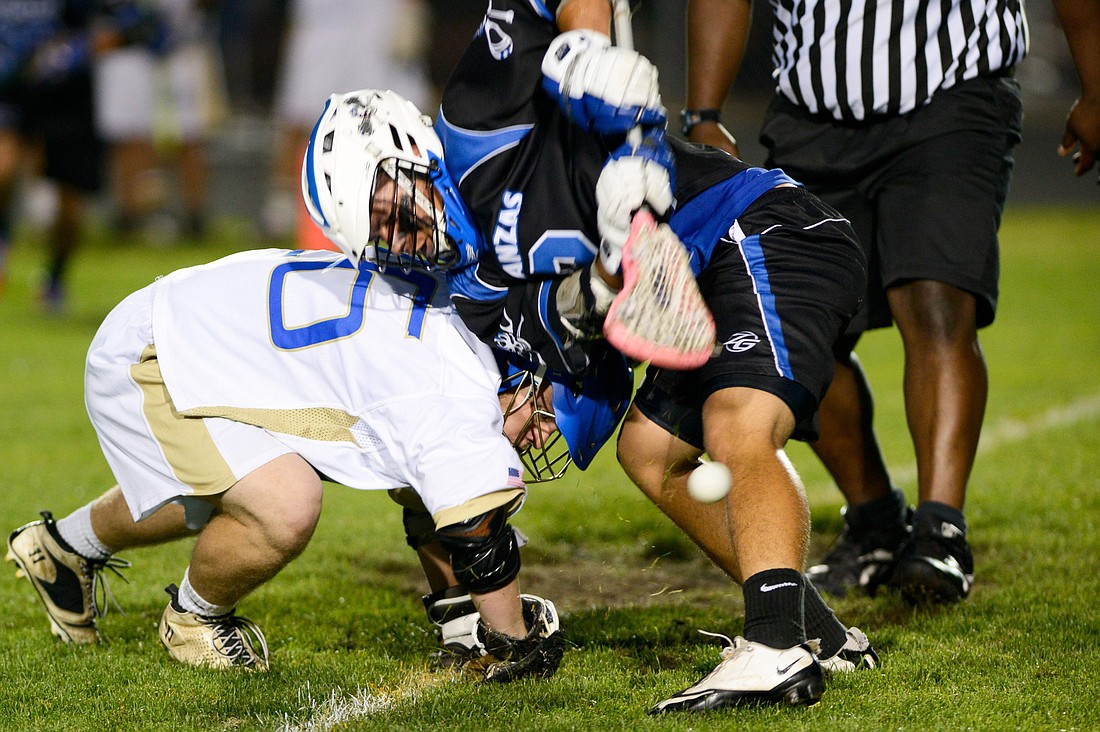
(537, 127)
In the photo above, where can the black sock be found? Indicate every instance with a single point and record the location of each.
(774, 607)
(822, 624)
(930, 513)
(885, 512)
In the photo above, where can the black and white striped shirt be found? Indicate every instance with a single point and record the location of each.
(853, 59)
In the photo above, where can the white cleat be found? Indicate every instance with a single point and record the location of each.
(855, 654)
(753, 673)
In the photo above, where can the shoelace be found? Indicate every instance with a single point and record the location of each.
(813, 644)
(730, 646)
(240, 639)
(102, 597)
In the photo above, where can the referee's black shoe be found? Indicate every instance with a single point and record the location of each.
(935, 566)
(861, 560)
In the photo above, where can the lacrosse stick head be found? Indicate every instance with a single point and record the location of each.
(373, 180)
(659, 316)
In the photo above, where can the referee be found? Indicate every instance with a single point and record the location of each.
(903, 115)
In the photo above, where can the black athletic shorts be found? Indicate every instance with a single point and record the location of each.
(924, 191)
(782, 285)
(60, 116)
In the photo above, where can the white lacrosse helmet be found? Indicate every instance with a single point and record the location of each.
(374, 181)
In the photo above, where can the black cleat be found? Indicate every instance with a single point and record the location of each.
(935, 567)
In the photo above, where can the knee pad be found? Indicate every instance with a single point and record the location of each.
(484, 550)
(419, 527)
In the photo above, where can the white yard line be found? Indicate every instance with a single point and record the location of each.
(341, 706)
(1010, 431)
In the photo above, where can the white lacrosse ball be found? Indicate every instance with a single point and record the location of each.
(710, 482)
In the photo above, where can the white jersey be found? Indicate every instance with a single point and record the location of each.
(370, 377)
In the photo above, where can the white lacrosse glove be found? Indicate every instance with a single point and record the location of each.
(630, 180)
(603, 88)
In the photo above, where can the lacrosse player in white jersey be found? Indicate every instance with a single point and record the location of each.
(222, 394)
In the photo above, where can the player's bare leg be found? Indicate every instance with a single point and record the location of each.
(115, 526)
(660, 472)
(759, 531)
(259, 525)
(747, 429)
(875, 517)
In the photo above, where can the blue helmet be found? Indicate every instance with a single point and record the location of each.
(586, 410)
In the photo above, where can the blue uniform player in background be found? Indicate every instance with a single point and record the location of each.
(46, 106)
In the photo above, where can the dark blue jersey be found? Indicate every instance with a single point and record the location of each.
(27, 27)
(528, 175)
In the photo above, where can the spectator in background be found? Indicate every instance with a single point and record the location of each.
(46, 110)
(337, 45)
(162, 103)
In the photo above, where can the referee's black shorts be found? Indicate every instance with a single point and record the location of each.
(924, 191)
(782, 285)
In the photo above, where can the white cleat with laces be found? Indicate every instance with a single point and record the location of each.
(753, 673)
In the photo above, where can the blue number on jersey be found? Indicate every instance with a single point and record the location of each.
(333, 329)
(560, 251)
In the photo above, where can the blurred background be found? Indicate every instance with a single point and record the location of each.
(251, 29)
(267, 53)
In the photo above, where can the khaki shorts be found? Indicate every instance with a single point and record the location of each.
(157, 455)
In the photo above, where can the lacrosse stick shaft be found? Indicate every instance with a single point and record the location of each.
(624, 32)
(624, 37)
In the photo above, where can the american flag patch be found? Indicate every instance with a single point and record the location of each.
(515, 478)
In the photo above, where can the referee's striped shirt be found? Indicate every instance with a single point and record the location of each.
(853, 59)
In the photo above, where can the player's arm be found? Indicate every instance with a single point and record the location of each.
(585, 15)
(610, 90)
(717, 32)
(1081, 23)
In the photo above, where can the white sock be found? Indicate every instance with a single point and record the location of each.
(76, 530)
(192, 601)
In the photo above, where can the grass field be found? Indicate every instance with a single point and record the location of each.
(348, 634)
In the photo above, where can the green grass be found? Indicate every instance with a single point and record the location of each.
(348, 634)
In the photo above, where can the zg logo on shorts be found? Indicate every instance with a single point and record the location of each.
(741, 342)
